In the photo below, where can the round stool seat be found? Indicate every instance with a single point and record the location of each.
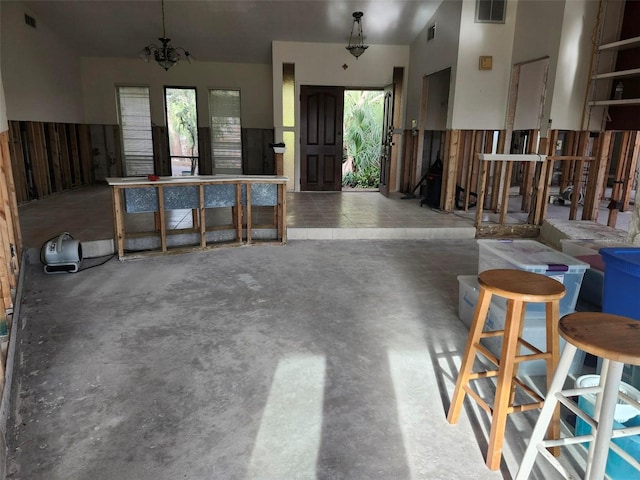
(604, 335)
(521, 285)
(615, 340)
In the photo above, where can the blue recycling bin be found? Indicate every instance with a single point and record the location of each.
(621, 291)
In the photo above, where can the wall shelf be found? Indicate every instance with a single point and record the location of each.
(623, 102)
(621, 44)
(622, 73)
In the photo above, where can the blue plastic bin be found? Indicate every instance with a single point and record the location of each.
(621, 292)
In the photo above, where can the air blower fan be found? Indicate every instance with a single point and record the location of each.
(62, 254)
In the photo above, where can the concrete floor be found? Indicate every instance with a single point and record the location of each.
(314, 360)
(328, 360)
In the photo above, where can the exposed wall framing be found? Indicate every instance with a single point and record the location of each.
(592, 164)
(49, 158)
(10, 245)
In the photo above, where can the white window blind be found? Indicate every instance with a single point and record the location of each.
(135, 126)
(226, 130)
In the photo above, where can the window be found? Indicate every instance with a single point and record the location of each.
(226, 131)
(490, 11)
(134, 113)
(289, 121)
(182, 129)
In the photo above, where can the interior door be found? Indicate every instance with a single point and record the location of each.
(321, 118)
(387, 141)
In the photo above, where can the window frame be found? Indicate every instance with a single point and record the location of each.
(195, 167)
(128, 157)
(492, 3)
(237, 168)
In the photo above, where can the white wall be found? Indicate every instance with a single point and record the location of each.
(101, 75)
(480, 100)
(433, 56)
(41, 74)
(437, 100)
(537, 35)
(322, 64)
(573, 64)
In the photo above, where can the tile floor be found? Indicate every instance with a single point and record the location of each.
(86, 213)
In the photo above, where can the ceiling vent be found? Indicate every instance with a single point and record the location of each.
(29, 20)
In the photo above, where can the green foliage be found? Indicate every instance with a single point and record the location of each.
(363, 137)
(181, 112)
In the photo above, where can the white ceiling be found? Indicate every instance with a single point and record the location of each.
(225, 31)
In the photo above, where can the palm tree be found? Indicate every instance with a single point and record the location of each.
(363, 136)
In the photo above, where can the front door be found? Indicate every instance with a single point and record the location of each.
(321, 112)
(387, 141)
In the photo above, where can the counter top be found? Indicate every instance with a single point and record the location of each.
(196, 179)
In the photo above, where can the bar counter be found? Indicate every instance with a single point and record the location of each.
(208, 197)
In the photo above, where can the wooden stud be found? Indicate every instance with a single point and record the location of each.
(449, 171)
(508, 170)
(13, 214)
(17, 162)
(498, 172)
(596, 183)
(118, 219)
(248, 213)
(86, 153)
(238, 213)
(282, 213)
(529, 172)
(65, 160)
(616, 191)
(54, 151)
(581, 151)
(163, 219)
(484, 166)
(203, 222)
(634, 149)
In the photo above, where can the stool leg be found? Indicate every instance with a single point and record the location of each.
(553, 347)
(546, 414)
(477, 325)
(505, 378)
(516, 366)
(599, 449)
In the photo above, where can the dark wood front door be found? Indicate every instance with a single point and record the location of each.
(321, 112)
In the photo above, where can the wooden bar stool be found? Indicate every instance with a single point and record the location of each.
(518, 287)
(616, 340)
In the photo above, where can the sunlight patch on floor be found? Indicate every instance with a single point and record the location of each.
(411, 383)
(290, 431)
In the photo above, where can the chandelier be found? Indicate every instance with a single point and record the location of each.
(356, 49)
(166, 55)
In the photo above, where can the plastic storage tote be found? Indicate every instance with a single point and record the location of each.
(533, 256)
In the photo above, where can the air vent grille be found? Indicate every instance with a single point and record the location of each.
(29, 20)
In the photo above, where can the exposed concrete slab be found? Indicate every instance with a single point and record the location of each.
(314, 360)
(553, 230)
